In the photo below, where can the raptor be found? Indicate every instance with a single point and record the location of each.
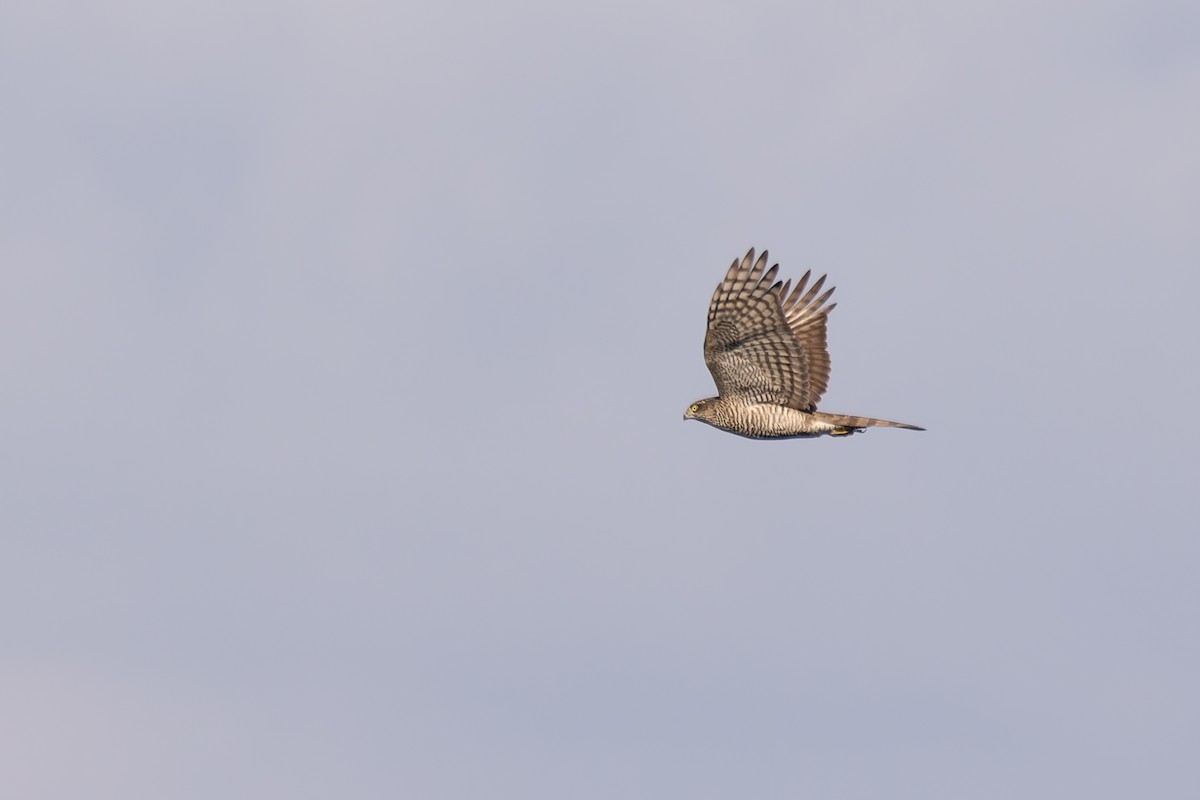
(766, 350)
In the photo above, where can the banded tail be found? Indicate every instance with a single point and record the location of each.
(847, 424)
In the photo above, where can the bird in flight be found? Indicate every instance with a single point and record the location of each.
(766, 350)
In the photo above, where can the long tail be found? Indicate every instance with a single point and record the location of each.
(847, 424)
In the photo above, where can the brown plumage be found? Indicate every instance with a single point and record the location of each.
(766, 350)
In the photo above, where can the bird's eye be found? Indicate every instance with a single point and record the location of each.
(695, 407)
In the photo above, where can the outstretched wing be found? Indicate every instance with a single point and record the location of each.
(766, 341)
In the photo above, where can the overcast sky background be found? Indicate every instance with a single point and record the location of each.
(344, 351)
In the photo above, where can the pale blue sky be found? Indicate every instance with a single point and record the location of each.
(344, 350)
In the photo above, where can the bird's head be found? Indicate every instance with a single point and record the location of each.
(699, 410)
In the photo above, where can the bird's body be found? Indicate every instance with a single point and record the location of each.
(766, 349)
(773, 421)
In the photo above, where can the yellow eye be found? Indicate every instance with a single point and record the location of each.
(695, 407)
